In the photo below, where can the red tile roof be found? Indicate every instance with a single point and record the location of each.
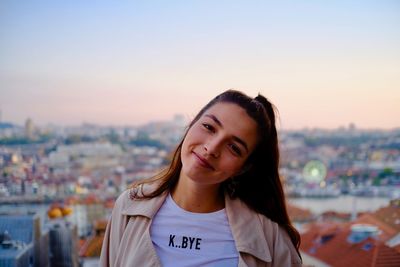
(100, 225)
(299, 214)
(387, 230)
(330, 244)
(92, 246)
(335, 216)
(397, 248)
(328, 241)
(390, 215)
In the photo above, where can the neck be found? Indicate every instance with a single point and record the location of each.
(197, 198)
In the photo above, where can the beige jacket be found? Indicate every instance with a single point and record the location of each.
(127, 241)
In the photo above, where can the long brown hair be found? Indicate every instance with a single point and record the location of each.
(260, 186)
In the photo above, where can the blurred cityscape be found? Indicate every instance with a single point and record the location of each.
(58, 186)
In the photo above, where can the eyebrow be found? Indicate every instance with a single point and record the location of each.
(237, 139)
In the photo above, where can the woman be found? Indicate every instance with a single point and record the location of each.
(220, 202)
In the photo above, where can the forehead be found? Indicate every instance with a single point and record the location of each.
(235, 122)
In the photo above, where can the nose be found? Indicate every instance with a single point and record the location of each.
(212, 148)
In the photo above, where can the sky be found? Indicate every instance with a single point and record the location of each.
(324, 64)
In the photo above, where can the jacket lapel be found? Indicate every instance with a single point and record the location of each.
(247, 229)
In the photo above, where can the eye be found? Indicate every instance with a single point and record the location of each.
(236, 150)
(208, 127)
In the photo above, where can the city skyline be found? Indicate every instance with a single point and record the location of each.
(324, 65)
(52, 125)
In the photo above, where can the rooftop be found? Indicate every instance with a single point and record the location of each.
(363, 242)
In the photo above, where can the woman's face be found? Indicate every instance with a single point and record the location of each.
(217, 146)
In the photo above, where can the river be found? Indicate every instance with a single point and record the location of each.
(343, 203)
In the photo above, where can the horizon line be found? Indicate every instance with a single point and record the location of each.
(304, 128)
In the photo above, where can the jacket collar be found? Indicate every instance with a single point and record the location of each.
(245, 224)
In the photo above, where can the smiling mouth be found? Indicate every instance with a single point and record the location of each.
(203, 162)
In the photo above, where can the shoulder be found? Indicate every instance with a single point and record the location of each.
(122, 202)
(259, 236)
(132, 194)
(273, 232)
(283, 248)
(270, 227)
(137, 200)
(143, 188)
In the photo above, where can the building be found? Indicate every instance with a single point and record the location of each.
(63, 238)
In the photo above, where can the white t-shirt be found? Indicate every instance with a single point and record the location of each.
(183, 238)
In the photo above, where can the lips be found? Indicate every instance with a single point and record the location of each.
(203, 162)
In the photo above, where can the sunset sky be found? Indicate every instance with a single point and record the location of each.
(323, 63)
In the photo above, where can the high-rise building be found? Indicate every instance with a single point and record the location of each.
(63, 244)
(29, 129)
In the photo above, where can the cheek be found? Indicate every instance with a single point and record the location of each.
(188, 144)
(185, 151)
(194, 136)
